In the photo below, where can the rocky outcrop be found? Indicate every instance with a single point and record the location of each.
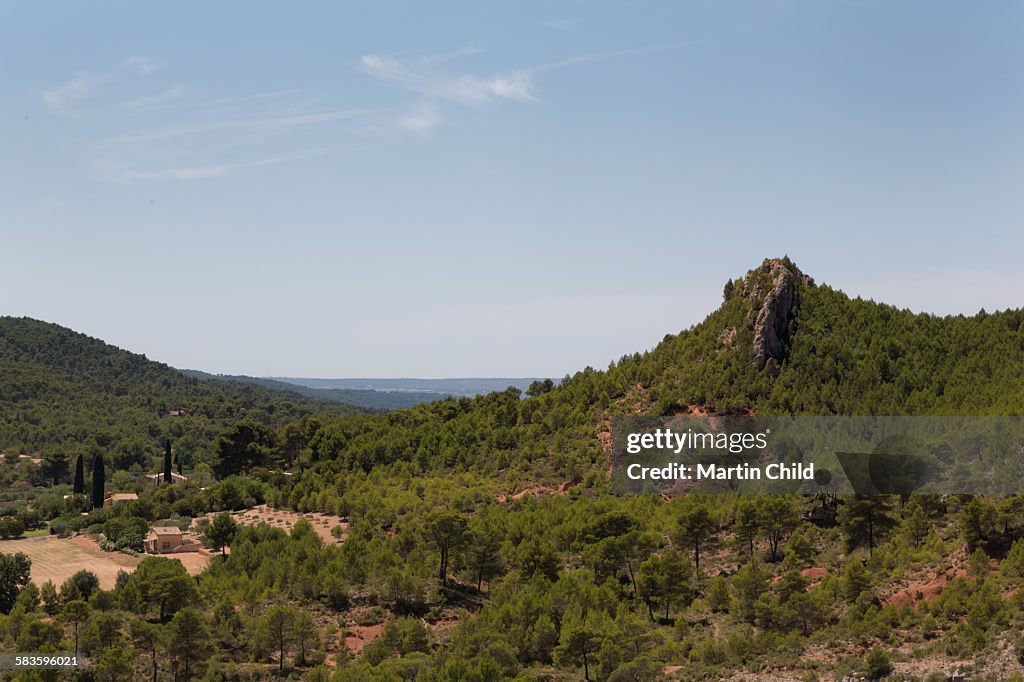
(777, 309)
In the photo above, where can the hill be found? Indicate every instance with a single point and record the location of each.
(61, 391)
(513, 493)
(459, 387)
(371, 399)
(478, 538)
(778, 344)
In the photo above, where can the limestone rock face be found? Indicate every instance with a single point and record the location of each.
(776, 310)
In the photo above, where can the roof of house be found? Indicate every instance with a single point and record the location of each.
(166, 530)
(124, 496)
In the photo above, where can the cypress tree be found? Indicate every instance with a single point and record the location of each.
(98, 480)
(79, 476)
(167, 460)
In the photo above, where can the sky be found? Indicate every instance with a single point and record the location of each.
(480, 189)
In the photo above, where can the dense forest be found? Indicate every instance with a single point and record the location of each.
(64, 393)
(479, 538)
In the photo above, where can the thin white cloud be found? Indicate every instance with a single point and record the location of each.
(422, 119)
(79, 87)
(466, 89)
(140, 65)
(210, 139)
(85, 83)
(423, 77)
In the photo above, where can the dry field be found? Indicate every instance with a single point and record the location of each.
(57, 559)
(284, 519)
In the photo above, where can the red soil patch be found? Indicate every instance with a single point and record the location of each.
(361, 635)
(535, 490)
(924, 590)
(538, 491)
(442, 625)
(814, 574)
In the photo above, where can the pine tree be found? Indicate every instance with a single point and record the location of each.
(865, 519)
(695, 526)
(167, 461)
(79, 476)
(98, 482)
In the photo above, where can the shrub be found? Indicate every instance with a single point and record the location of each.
(11, 527)
(879, 664)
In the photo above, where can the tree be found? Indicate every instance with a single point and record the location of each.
(86, 582)
(11, 527)
(579, 641)
(38, 635)
(79, 488)
(277, 626)
(748, 520)
(446, 531)
(50, 598)
(28, 599)
(855, 580)
(695, 526)
(539, 387)
(15, 570)
(188, 641)
(665, 577)
(718, 594)
(98, 482)
(75, 613)
(977, 519)
(749, 583)
(69, 591)
(163, 583)
(865, 519)
(55, 467)
(167, 461)
(245, 445)
(486, 533)
(916, 524)
(304, 634)
(148, 637)
(221, 532)
(115, 663)
(779, 517)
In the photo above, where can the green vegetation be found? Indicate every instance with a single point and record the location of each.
(481, 541)
(64, 393)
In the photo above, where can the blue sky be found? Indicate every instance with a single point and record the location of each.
(474, 189)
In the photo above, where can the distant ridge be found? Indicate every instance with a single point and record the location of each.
(374, 399)
(465, 386)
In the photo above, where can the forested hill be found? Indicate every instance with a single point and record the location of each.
(61, 391)
(778, 344)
